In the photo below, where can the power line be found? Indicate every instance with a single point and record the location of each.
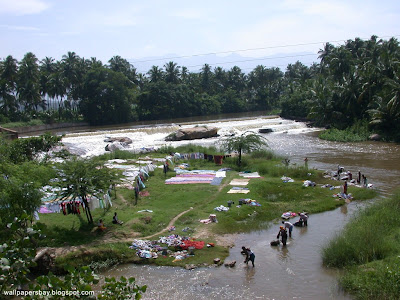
(254, 59)
(250, 49)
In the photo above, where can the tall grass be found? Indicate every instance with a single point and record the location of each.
(367, 237)
(369, 249)
(356, 133)
(189, 148)
(23, 124)
(377, 280)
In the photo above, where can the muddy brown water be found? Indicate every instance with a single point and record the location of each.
(294, 272)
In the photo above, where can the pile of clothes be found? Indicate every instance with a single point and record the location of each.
(249, 201)
(221, 208)
(173, 240)
(288, 215)
(286, 179)
(152, 249)
(308, 183)
(145, 248)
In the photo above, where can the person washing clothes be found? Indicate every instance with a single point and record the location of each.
(289, 226)
(283, 234)
(249, 256)
(303, 219)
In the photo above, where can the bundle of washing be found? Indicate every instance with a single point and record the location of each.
(286, 179)
(221, 208)
(288, 215)
(308, 183)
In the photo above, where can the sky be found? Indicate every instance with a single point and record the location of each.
(155, 28)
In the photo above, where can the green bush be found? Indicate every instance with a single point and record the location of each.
(364, 239)
(358, 132)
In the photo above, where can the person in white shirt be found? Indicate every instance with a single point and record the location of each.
(289, 226)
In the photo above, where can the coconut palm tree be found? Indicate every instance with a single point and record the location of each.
(244, 143)
(47, 67)
(8, 77)
(156, 74)
(171, 72)
(206, 78)
(28, 84)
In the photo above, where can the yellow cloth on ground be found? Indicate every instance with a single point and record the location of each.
(239, 182)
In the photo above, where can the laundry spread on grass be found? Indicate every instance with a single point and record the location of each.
(249, 201)
(238, 190)
(217, 181)
(239, 182)
(250, 175)
(196, 176)
(190, 179)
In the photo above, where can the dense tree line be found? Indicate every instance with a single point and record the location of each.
(358, 80)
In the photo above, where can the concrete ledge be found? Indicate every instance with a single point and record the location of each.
(10, 134)
(48, 127)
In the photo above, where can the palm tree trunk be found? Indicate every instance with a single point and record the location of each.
(240, 157)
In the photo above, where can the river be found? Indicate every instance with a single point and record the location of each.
(292, 273)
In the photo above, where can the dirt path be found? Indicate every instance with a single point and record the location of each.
(172, 222)
(109, 237)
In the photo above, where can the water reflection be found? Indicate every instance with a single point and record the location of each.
(283, 252)
(250, 273)
(343, 209)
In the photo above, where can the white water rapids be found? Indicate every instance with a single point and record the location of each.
(92, 143)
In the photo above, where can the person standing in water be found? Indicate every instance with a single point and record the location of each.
(283, 234)
(289, 226)
(249, 256)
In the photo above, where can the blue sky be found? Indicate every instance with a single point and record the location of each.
(138, 29)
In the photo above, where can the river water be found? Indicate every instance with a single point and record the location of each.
(295, 272)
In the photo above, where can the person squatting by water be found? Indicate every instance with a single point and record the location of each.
(303, 219)
(289, 226)
(283, 234)
(250, 256)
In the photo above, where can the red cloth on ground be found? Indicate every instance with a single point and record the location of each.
(196, 244)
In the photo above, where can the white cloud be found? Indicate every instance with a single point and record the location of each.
(188, 13)
(20, 28)
(22, 7)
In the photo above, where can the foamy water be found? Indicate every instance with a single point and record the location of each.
(92, 143)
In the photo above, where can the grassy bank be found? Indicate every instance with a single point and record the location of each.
(167, 201)
(357, 133)
(369, 249)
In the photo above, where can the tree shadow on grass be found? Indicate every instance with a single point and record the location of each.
(80, 233)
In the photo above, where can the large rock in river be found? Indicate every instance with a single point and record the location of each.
(198, 132)
(375, 137)
(125, 140)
